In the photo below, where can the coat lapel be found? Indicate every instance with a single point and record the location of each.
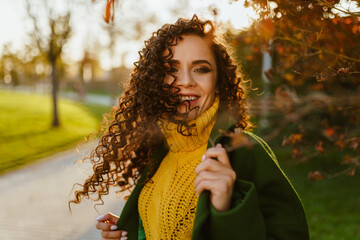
(224, 122)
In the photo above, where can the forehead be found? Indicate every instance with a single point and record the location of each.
(192, 47)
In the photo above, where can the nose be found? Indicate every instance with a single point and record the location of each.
(185, 79)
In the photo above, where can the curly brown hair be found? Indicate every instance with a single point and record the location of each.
(125, 148)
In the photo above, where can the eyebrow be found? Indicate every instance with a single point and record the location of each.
(195, 62)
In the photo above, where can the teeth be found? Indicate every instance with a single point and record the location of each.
(186, 98)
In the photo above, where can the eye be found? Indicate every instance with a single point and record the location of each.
(203, 70)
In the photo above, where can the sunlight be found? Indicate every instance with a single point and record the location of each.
(239, 16)
(87, 24)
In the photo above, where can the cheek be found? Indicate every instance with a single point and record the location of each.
(211, 86)
(168, 79)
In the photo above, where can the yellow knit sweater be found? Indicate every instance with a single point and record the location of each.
(167, 203)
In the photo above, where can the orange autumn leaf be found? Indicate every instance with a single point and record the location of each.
(348, 21)
(319, 147)
(329, 132)
(248, 40)
(296, 153)
(266, 28)
(280, 49)
(315, 176)
(289, 77)
(109, 10)
(249, 58)
(297, 137)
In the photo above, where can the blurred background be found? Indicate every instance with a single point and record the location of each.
(63, 64)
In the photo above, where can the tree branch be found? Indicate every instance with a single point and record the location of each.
(317, 48)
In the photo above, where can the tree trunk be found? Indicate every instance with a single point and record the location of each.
(267, 62)
(54, 82)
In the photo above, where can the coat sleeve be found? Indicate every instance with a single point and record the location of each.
(264, 203)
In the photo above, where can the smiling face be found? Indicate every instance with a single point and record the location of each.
(194, 66)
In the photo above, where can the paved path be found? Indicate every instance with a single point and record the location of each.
(33, 201)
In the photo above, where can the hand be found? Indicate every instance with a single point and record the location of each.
(107, 224)
(217, 176)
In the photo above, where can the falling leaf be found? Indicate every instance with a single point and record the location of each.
(109, 10)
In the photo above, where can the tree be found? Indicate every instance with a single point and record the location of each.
(51, 44)
(315, 48)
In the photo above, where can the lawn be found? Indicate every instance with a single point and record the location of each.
(25, 127)
(332, 205)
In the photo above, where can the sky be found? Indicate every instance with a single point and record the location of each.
(87, 23)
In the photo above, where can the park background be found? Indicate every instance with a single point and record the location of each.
(300, 62)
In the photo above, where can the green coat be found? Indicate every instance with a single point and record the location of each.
(264, 203)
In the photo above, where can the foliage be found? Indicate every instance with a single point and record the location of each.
(314, 76)
(25, 132)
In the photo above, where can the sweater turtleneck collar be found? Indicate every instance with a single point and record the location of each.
(200, 133)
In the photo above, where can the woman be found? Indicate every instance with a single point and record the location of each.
(170, 137)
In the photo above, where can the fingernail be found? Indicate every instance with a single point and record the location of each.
(123, 238)
(99, 217)
(203, 158)
(113, 227)
(124, 233)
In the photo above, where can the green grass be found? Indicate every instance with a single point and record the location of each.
(25, 127)
(332, 205)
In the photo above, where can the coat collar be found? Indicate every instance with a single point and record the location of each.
(224, 122)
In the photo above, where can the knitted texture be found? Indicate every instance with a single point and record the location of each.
(167, 203)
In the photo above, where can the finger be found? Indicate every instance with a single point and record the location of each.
(228, 176)
(206, 175)
(209, 165)
(209, 185)
(104, 226)
(112, 218)
(114, 234)
(219, 153)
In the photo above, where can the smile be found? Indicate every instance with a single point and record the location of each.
(187, 98)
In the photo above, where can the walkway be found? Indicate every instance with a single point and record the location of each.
(33, 201)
